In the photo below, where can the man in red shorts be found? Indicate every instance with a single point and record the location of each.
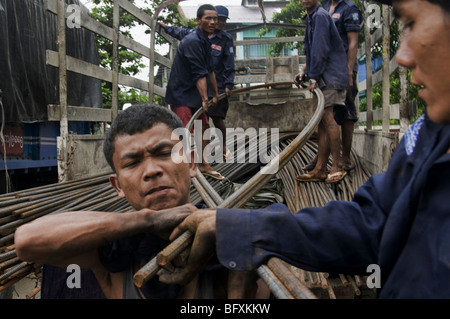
(192, 69)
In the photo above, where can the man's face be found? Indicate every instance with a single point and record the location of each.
(222, 21)
(145, 172)
(308, 4)
(208, 22)
(424, 49)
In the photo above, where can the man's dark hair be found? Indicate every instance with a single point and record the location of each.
(136, 119)
(201, 10)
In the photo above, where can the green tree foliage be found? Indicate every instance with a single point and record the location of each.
(292, 13)
(394, 98)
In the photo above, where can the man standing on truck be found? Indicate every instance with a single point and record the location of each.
(327, 69)
(223, 56)
(348, 18)
(192, 69)
(222, 49)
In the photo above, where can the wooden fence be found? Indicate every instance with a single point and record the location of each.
(264, 70)
(64, 112)
(403, 111)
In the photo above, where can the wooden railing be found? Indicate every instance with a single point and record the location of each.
(403, 111)
(63, 112)
(113, 76)
(270, 70)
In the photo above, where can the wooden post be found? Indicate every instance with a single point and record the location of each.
(151, 72)
(386, 70)
(368, 46)
(115, 62)
(63, 123)
(404, 109)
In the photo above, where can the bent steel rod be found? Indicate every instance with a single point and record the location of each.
(254, 184)
(275, 284)
(289, 280)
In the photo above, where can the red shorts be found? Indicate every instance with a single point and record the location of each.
(185, 113)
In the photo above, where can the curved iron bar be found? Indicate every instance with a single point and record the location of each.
(164, 5)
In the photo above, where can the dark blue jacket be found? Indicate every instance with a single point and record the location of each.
(347, 18)
(192, 62)
(399, 220)
(326, 59)
(177, 32)
(222, 50)
(223, 58)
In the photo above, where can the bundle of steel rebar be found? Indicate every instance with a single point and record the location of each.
(316, 194)
(95, 193)
(20, 207)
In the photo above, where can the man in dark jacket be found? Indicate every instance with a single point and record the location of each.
(348, 19)
(223, 56)
(326, 67)
(222, 50)
(399, 220)
(192, 71)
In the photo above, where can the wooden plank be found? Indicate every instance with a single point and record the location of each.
(115, 61)
(80, 66)
(251, 63)
(377, 77)
(133, 82)
(92, 70)
(134, 45)
(159, 91)
(385, 82)
(269, 40)
(378, 114)
(135, 11)
(142, 50)
(164, 34)
(86, 21)
(79, 113)
(151, 78)
(243, 79)
(162, 60)
(258, 63)
(96, 26)
(62, 143)
(394, 113)
(99, 28)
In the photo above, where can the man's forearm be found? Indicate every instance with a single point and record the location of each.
(352, 51)
(56, 239)
(202, 88)
(74, 237)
